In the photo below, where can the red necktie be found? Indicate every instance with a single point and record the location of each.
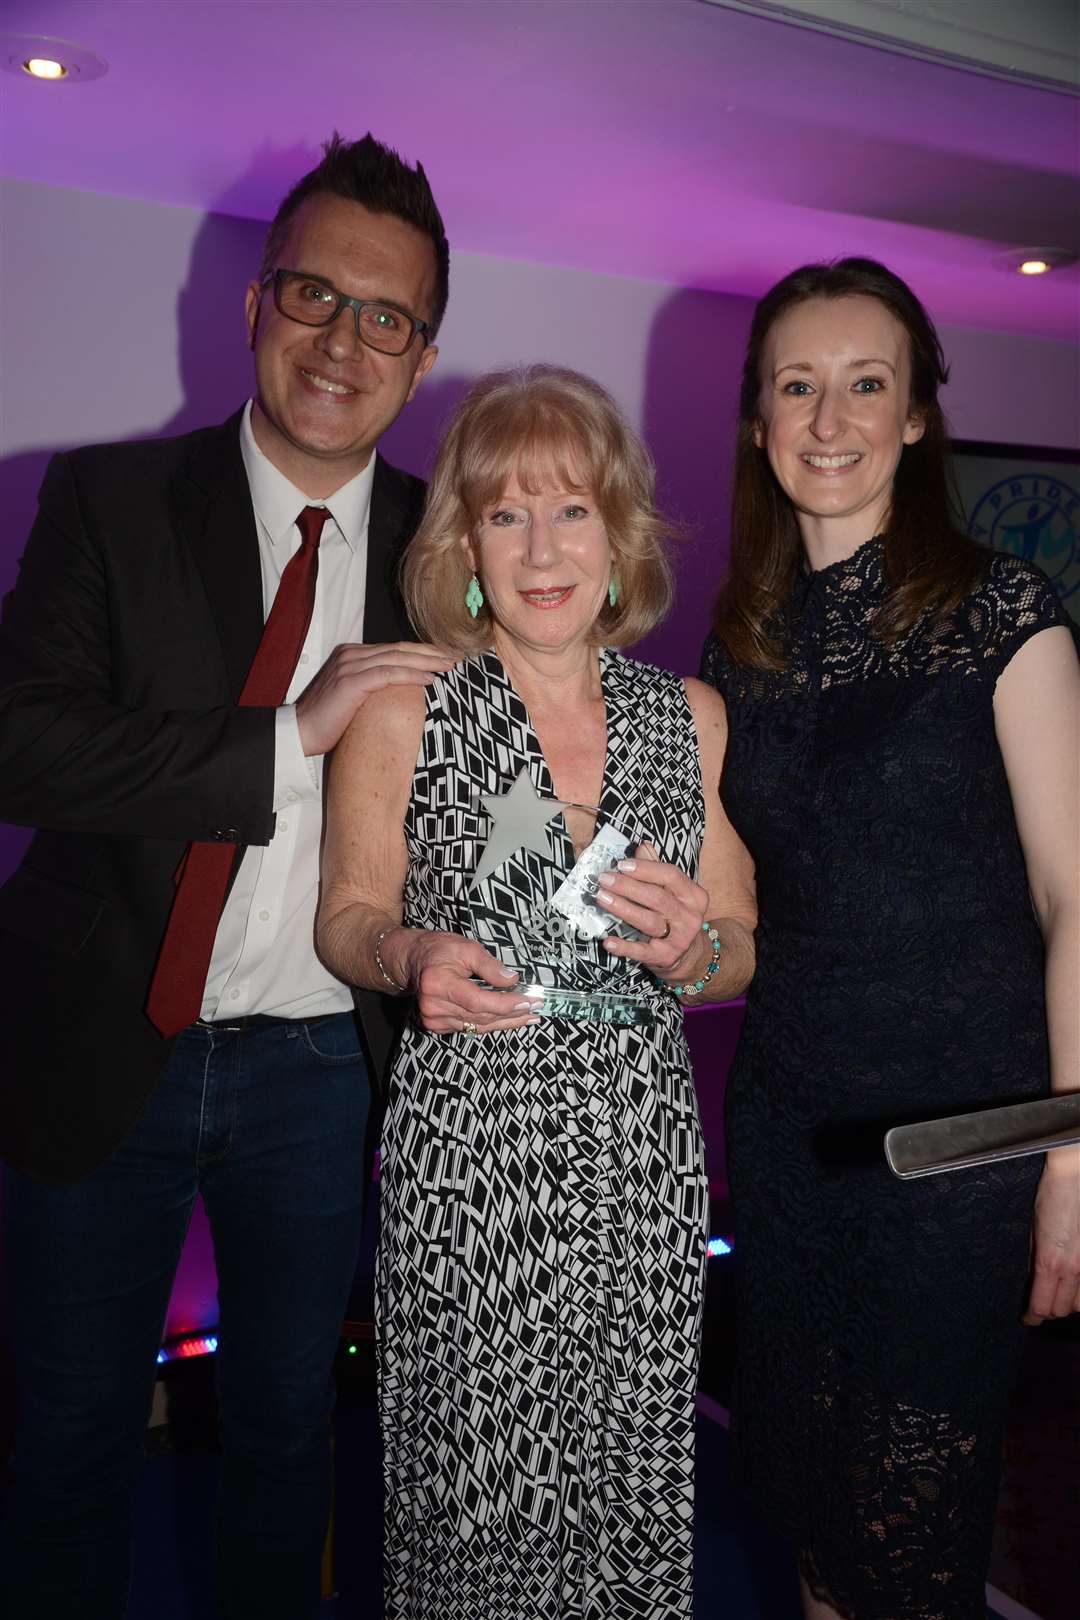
(176, 990)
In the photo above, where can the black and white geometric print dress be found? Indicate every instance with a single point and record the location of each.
(543, 1210)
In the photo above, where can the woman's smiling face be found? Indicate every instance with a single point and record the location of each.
(835, 412)
(544, 564)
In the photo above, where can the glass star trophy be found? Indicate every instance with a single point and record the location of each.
(546, 921)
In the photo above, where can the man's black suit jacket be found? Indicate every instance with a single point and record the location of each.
(123, 650)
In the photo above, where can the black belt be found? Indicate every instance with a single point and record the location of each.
(258, 1020)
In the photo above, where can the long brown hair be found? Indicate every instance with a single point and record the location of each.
(930, 564)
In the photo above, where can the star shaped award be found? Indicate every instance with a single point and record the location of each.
(532, 902)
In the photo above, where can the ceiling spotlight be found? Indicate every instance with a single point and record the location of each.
(43, 67)
(1034, 261)
(56, 61)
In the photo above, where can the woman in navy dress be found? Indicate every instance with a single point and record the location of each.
(903, 711)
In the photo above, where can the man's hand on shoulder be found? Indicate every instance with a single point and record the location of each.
(350, 675)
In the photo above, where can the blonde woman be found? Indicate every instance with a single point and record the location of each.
(544, 1198)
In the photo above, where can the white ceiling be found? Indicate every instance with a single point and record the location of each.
(673, 140)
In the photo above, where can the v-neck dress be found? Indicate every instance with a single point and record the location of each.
(899, 977)
(543, 1209)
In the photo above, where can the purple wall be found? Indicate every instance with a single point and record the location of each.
(82, 364)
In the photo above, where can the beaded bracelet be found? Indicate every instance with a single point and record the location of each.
(696, 985)
(399, 989)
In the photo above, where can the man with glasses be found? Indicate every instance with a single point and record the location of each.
(195, 624)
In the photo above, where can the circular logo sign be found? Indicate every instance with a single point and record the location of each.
(1038, 518)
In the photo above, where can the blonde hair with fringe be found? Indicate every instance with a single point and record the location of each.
(538, 423)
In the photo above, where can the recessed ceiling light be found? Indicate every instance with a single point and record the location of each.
(1034, 261)
(43, 67)
(53, 61)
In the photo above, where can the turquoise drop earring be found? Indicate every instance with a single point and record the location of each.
(613, 590)
(474, 597)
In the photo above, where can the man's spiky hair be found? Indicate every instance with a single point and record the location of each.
(370, 173)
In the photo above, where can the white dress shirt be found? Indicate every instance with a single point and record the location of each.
(264, 954)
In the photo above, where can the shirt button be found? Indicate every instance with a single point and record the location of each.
(283, 826)
(304, 659)
(234, 995)
(291, 796)
(264, 916)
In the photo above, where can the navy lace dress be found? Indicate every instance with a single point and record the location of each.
(900, 975)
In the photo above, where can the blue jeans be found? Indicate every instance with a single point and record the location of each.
(269, 1124)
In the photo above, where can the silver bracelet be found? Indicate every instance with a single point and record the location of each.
(398, 988)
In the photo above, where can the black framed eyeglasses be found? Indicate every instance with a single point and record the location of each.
(315, 302)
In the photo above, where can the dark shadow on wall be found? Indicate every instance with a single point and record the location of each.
(212, 357)
(215, 371)
(691, 391)
(414, 438)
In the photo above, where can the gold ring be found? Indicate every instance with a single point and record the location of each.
(469, 1029)
(667, 929)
